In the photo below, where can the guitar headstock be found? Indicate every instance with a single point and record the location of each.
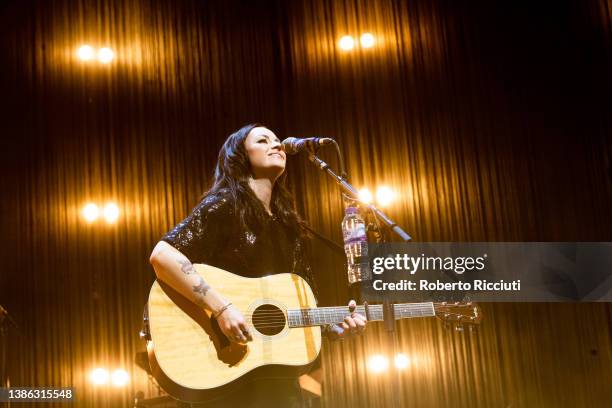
(458, 314)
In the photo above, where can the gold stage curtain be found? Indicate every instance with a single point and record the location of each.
(489, 120)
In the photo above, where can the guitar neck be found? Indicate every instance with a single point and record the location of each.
(329, 315)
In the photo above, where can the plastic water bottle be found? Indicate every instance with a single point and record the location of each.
(355, 246)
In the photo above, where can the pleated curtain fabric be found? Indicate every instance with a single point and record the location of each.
(489, 121)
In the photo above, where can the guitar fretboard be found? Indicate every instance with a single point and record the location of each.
(330, 315)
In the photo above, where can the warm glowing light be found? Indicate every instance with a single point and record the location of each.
(111, 212)
(105, 55)
(85, 53)
(99, 376)
(91, 212)
(347, 43)
(378, 363)
(120, 378)
(365, 195)
(384, 196)
(401, 361)
(367, 40)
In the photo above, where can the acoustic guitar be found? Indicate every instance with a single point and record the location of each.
(193, 361)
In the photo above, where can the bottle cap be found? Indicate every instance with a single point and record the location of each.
(351, 210)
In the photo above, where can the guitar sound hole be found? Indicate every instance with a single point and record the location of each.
(268, 320)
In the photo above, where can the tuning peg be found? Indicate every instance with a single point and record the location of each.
(459, 328)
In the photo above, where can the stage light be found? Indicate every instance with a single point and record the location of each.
(111, 212)
(401, 361)
(120, 378)
(91, 212)
(365, 195)
(99, 376)
(378, 363)
(85, 53)
(367, 40)
(347, 43)
(105, 55)
(384, 196)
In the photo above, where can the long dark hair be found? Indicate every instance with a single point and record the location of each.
(232, 180)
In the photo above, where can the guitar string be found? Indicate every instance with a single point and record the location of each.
(319, 315)
(301, 315)
(277, 316)
(317, 312)
(373, 308)
(296, 313)
(397, 305)
(360, 309)
(322, 310)
(274, 318)
(322, 321)
(280, 320)
(282, 323)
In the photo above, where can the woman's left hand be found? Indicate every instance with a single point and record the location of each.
(354, 324)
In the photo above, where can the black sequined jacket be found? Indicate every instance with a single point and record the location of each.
(211, 234)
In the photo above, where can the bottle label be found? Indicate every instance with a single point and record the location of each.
(357, 233)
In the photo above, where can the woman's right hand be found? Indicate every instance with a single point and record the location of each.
(233, 325)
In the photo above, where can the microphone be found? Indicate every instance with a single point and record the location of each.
(294, 145)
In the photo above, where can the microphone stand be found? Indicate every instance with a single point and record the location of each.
(353, 193)
(328, 242)
(388, 306)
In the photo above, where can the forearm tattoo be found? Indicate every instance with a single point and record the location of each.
(186, 266)
(202, 287)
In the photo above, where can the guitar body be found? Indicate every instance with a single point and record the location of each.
(191, 358)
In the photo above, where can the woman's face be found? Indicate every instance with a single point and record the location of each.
(265, 154)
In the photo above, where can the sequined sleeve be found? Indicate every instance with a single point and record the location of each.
(200, 236)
